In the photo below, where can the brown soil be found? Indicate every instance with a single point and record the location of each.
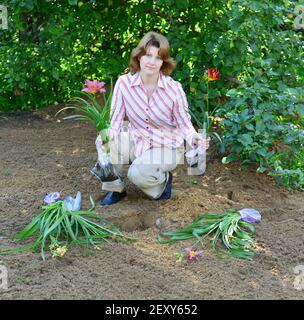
(39, 154)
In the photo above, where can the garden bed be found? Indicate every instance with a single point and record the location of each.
(39, 154)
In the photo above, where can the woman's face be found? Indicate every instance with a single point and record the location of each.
(151, 62)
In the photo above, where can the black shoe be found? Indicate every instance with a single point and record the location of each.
(112, 197)
(167, 192)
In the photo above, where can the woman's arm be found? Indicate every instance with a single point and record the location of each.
(183, 120)
(182, 116)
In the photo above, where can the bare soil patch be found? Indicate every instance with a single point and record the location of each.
(38, 155)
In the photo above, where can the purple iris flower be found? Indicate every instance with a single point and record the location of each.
(51, 198)
(250, 215)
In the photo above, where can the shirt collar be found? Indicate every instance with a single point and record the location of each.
(136, 80)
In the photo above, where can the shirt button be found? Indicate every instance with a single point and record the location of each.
(147, 119)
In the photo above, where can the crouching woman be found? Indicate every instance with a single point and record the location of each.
(159, 122)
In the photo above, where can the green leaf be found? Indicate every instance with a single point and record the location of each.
(230, 158)
(73, 2)
(300, 109)
(28, 4)
(249, 126)
(245, 139)
(55, 74)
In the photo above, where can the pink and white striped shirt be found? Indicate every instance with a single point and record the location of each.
(162, 120)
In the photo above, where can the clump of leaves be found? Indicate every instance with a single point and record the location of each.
(288, 168)
(89, 108)
(57, 227)
(228, 228)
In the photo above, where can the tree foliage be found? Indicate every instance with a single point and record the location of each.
(52, 46)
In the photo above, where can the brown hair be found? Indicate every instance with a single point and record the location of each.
(156, 40)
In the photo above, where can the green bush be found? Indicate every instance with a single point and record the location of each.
(288, 168)
(52, 46)
(267, 106)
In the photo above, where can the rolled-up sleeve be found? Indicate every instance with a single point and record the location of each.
(118, 109)
(181, 114)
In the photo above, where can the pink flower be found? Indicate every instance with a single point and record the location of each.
(193, 254)
(94, 86)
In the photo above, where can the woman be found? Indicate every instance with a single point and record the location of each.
(157, 110)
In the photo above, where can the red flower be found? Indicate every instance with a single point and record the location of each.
(213, 74)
